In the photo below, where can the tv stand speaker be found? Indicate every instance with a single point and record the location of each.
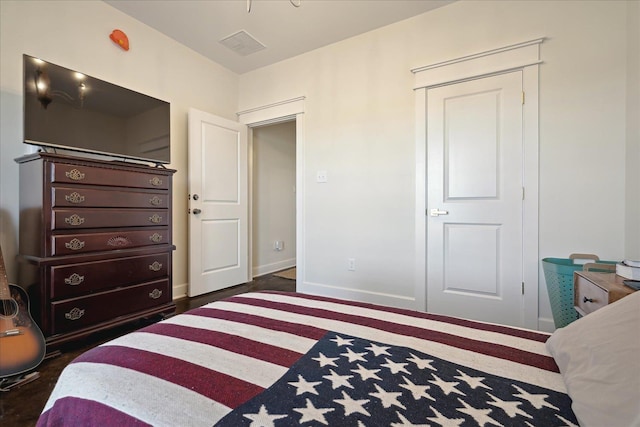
(95, 243)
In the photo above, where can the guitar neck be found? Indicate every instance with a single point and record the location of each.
(4, 282)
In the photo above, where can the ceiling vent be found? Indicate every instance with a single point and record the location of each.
(242, 43)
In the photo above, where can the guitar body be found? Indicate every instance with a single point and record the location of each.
(22, 345)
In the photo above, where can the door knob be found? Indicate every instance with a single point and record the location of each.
(437, 212)
(196, 211)
(195, 197)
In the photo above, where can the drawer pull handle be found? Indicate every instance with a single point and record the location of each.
(74, 314)
(74, 220)
(118, 241)
(156, 266)
(74, 280)
(156, 238)
(155, 181)
(155, 201)
(157, 293)
(74, 197)
(585, 299)
(75, 175)
(74, 245)
(155, 218)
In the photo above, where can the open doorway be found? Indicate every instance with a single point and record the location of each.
(273, 197)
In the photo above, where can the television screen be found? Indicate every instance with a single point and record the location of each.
(67, 109)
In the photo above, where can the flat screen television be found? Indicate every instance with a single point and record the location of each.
(70, 110)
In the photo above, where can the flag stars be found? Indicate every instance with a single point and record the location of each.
(447, 387)
(311, 413)
(566, 421)
(326, 361)
(474, 382)
(352, 406)
(338, 381)
(537, 400)
(395, 367)
(404, 422)
(481, 416)
(353, 356)
(510, 407)
(357, 382)
(303, 386)
(367, 374)
(387, 398)
(444, 421)
(422, 363)
(417, 391)
(262, 418)
(342, 341)
(378, 350)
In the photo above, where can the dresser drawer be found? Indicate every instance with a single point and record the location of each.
(67, 173)
(97, 198)
(588, 296)
(71, 314)
(78, 279)
(79, 243)
(68, 219)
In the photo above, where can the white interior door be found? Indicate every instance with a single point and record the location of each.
(218, 205)
(474, 199)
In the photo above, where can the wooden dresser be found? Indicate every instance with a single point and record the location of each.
(95, 243)
(595, 290)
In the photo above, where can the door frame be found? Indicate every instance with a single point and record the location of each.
(279, 112)
(523, 56)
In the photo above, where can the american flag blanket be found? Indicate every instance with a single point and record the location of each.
(288, 359)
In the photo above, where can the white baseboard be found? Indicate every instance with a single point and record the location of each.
(546, 325)
(261, 270)
(356, 295)
(180, 291)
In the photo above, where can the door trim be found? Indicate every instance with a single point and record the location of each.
(278, 112)
(521, 56)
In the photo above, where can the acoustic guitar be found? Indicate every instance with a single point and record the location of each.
(22, 345)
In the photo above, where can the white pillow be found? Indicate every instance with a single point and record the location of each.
(599, 359)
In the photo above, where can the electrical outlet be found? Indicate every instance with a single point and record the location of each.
(278, 245)
(351, 264)
(321, 176)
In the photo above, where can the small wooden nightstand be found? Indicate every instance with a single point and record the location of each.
(592, 290)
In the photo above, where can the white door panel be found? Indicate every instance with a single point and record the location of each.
(218, 186)
(470, 168)
(469, 249)
(221, 257)
(221, 149)
(474, 163)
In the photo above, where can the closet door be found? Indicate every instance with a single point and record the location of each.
(475, 199)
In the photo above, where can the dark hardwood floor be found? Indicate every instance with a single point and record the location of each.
(21, 406)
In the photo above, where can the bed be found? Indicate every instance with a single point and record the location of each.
(284, 359)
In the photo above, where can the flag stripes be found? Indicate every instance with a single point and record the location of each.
(214, 358)
(188, 375)
(495, 350)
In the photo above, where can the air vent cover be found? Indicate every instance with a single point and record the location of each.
(242, 43)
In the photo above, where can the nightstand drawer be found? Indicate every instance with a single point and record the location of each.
(588, 296)
(592, 290)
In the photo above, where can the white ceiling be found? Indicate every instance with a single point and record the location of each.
(285, 30)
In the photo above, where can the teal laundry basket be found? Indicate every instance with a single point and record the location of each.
(558, 274)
